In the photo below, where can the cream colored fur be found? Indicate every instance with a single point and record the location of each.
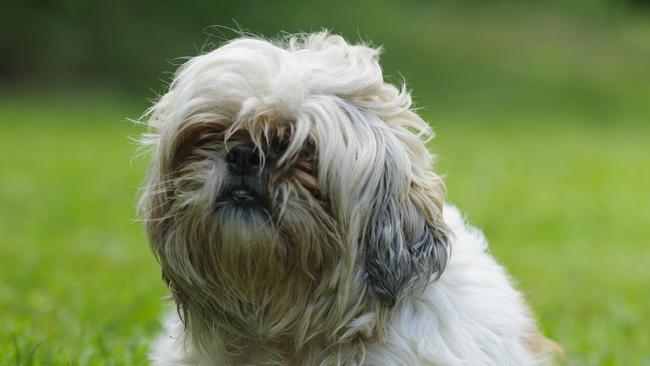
(347, 254)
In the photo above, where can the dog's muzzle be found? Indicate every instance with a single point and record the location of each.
(243, 160)
(243, 188)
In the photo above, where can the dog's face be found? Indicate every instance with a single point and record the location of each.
(290, 192)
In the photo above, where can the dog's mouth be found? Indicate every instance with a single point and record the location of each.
(244, 197)
(241, 196)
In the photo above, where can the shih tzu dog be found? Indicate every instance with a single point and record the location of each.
(291, 205)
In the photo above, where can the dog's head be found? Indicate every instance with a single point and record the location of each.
(290, 183)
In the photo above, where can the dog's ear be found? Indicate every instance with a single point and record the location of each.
(406, 241)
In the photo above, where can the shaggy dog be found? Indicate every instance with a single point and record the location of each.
(291, 205)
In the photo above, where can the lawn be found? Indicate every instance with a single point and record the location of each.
(78, 283)
(543, 135)
(565, 207)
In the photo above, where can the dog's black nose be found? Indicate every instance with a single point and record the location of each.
(242, 159)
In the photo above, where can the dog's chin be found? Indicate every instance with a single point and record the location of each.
(243, 218)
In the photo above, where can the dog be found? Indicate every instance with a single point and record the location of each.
(293, 210)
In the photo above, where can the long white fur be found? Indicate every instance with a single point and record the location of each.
(371, 153)
(471, 316)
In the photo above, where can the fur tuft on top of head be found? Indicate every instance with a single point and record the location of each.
(249, 78)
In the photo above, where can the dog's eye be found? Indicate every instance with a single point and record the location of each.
(279, 145)
(309, 148)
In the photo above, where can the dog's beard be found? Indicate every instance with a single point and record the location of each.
(249, 248)
(249, 271)
(261, 244)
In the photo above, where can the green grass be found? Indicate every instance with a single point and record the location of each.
(543, 136)
(78, 283)
(565, 207)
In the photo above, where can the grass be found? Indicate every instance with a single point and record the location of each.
(79, 285)
(565, 208)
(543, 137)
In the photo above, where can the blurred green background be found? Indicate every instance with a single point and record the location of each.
(542, 113)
